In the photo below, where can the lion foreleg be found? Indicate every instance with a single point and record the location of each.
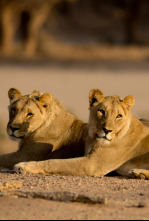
(77, 166)
(9, 160)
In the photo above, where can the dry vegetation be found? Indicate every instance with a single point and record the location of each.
(43, 27)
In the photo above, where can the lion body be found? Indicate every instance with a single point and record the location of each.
(116, 141)
(44, 129)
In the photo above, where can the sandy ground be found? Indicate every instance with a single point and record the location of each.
(125, 198)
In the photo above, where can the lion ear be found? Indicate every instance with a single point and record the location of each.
(46, 100)
(14, 95)
(129, 101)
(36, 94)
(95, 97)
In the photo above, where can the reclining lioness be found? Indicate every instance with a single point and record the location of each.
(115, 136)
(44, 129)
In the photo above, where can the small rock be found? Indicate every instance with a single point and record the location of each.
(142, 205)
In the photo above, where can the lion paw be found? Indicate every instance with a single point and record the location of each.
(21, 168)
(136, 173)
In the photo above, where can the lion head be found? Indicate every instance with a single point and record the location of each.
(110, 116)
(26, 113)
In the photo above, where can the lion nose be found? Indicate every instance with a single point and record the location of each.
(106, 130)
(14, 129)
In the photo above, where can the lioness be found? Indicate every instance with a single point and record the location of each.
(44, 129)
(115, 136)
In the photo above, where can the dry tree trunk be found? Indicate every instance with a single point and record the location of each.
(132, 21)
(39, 15)
(8, 29)
(37, 20)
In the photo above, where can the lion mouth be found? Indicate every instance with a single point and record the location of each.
(13, 135)
(21, 137)
(103, 137)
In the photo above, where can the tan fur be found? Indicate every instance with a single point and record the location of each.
(44, 129)
(115, 137)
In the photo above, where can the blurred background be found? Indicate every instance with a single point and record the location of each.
(68, 47)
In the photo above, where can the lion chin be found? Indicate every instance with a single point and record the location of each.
(103, 141)
(16, 139)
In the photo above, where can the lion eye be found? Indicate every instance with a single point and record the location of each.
(119, 116)
(29, 115)
(102, 111)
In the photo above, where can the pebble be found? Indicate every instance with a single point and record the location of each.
(142, 205)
